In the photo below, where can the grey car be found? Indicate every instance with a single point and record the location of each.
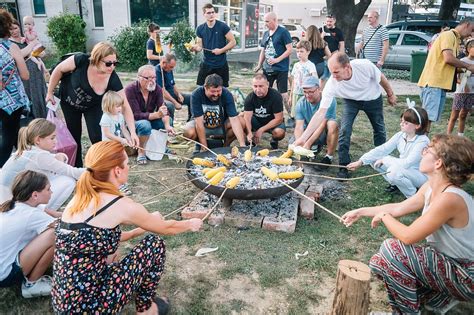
(401, 46)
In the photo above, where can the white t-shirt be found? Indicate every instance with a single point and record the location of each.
(300, 71)
(469, 88)
(113, 123)
(18, 227)
(364, 84)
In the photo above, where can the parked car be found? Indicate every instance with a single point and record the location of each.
(401, 46)
(297, 32)
(429, 27)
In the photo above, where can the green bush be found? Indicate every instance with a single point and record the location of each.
(67, 31)
(130, 42)
(180, 34)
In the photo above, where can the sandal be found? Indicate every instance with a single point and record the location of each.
(163, 305)
(141, 160)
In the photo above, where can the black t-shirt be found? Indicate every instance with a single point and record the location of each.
(316, 55)
(76, 91)
(334, 39)
(264, 108)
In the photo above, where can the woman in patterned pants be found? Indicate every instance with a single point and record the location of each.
(89, 231)
(441, 273)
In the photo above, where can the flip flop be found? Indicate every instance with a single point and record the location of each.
(163, 306)
(141, 160)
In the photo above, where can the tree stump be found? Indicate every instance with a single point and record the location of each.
(352, 288)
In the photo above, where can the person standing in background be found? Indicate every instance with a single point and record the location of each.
(374, 43)
(154, 50)
(333, 35)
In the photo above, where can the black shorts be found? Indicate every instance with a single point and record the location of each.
(282, 80)
(205, 70)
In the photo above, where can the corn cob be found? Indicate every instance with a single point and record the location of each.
(217, 178)
(203, 162)
(210, 174)
(263, 152)
(234, 152)
(291, 175)
(281, 161)
(287, 154)
(248, 156)
(223, 160)
(234, 181)
(205, 170)
(269, 173)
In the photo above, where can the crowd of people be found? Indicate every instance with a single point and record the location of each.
(83, 238)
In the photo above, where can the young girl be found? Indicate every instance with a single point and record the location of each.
(27, 236)
(113, 126)
(36, 143)
(319, 53)
(154, 50)
(463, 99)
(410, 141)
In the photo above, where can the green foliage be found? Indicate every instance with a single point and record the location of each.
(130, 42)
(67, 31)
(180, 34)
(393, 74)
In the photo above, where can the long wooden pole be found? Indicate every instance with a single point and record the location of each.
(145, 202)
(215, 206)
(346, 179)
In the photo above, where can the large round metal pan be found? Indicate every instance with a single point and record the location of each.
(242, 194)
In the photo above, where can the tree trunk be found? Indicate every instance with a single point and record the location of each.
(348, 15)
(449, 9)
(352, 288)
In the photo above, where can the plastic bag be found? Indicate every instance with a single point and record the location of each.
(156, 145)
(65, 143)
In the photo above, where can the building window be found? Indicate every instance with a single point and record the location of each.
(38, 7)
(98, 15)
(163, 12)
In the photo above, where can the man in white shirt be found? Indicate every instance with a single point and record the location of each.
(359, 82)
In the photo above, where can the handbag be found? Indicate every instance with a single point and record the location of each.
(156, 144)
(65, 143)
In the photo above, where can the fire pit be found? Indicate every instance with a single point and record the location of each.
(253, 185)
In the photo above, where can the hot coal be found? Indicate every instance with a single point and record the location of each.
(333, 190)
(280, 208)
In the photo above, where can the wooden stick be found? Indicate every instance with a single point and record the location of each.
(160, 169)
(346, 179)
(320, 206)
(145, 202)
(202, 145)
(215, 206)
(187, 204)
(321, 164)
(158, 181)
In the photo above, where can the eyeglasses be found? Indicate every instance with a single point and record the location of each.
(148, 78)
(427, 150)
(109, 64)
(331, 16)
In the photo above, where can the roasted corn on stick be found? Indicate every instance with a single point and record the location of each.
(234, 181)
(234, 152)
(223, 160)
(203, 162)
(291, 175)
(210, 174)
(269, 173)
(205, 170)
(287, 154)
(263, 152)
(217, 178)
(281, 161)
(248, 156)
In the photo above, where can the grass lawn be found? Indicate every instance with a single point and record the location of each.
(255, 271)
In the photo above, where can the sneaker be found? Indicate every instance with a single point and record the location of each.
(343, 173)
(274, 144)
(124, 189)
(391, 189)
(41, 287)
(290, 123)
(324, 160)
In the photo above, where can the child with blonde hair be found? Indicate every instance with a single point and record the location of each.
(113, 125)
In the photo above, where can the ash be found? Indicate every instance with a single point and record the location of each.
(280, 208)
(249, 172)
(333, 190)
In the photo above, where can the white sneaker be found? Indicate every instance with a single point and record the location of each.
(41, 287)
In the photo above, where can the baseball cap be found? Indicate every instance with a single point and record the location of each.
(310, 82)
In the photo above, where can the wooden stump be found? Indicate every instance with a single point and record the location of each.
(352, 288)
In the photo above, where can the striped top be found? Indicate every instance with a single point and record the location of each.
(373, 47)
(12, 91)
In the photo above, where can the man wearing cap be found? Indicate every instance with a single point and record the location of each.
(359, 82)
(327, 131)
(263, 112)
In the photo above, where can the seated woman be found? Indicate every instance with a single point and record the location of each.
(404, 174)
(89, 231)
(26, 236)
(36, 143)
(438, 274)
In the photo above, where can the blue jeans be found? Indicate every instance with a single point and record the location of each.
(433, 100)
(144, 126)
(374, 111)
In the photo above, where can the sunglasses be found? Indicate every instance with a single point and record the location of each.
(109, 64)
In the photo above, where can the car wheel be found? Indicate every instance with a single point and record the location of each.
(294, 41)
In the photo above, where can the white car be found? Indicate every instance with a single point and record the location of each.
(297, 32)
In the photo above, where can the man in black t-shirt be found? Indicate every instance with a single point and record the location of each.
(333, 35)
(263, 112)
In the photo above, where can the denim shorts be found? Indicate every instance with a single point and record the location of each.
(257, 125)
(433, 100)
(144, 127)
(15, 276)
